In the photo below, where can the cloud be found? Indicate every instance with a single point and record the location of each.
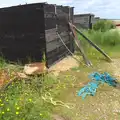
(102, 8)
(6, 3)
(61, 2)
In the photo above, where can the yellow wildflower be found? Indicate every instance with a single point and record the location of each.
(17, 108)
(17, 113)
(3, 112)
(2, 104)
(40, 114)
(8, 109)
(16, 104)
(21, 99)
(30, 100)
(26, 94)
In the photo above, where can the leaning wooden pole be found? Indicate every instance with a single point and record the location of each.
(87, 62)
(90, 42)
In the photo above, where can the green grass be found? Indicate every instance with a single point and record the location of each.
(108, 38)
(108, 41)
(102, 105)
(93, 107)
(23, 101)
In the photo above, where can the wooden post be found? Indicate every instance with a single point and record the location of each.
(90, 42)
(87, 62)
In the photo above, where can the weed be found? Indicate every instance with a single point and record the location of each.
(2, 62)
(103, 25)
(23, 101)
(108, 38)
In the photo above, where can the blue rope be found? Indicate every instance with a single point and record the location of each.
(97, 79)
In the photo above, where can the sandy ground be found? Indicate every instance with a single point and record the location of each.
(105, 105)
(64, 65)
(114, 67)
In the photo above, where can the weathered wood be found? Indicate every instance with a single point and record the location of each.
(28, 31)
(88, 63)
(55, 50)
(83, 20)
(91, 43)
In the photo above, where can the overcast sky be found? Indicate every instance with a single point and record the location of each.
(103, 8)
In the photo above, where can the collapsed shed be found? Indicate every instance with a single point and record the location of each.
(29, 31)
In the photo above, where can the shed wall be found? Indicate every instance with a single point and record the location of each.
(83, 21)
(55, 50)
(22, 32)
(30, 30)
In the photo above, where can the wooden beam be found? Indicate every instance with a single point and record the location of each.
(91, 43)
(77, 42)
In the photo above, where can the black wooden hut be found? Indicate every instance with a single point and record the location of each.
(30, 30)
(84, 21)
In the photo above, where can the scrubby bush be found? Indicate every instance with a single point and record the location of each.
(103, 25)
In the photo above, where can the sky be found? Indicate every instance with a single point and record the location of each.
(101, 8)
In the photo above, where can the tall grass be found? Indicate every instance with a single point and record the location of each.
(102, 34)
(109, 41)
(108, 38)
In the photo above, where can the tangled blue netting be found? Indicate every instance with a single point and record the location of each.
(96, 80)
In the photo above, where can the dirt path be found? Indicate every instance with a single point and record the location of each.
(105, 105)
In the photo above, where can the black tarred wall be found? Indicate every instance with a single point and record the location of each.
(22, 32)
(59, 15)
(30, 30)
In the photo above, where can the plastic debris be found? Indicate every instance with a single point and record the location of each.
(89, 89)
(103, 78)
(96, 80)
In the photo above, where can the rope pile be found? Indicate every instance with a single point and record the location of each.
(48, 98)
(96, 80)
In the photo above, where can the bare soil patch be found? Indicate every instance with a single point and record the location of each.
(64, 65)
